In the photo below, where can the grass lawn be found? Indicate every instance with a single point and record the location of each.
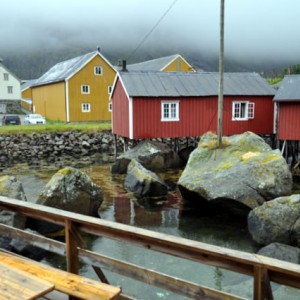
(55, 127)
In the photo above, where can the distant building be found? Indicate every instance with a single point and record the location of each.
(185, 104)
(287, 101)
(10, 91)
(172, 63)
(75, 90)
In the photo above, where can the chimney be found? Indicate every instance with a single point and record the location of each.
(124, 69)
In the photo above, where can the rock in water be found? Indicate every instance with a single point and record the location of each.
(143, 182)
(276, 221)
(282, 252)
(152, 155)
(72, 190)
(11, 187)
(239, 176)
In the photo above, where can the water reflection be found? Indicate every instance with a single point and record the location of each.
(170, 216)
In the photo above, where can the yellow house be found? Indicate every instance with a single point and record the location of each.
(76, 90)
(172, 63)
(26, 94)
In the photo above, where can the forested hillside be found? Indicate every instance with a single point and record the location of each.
(31, 65)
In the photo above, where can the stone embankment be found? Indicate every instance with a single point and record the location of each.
(52, 146)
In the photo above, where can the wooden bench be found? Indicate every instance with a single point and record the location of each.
(19, 285)
(68, 283)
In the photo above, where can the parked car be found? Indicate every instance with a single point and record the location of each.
(11, 120)
(34, 119)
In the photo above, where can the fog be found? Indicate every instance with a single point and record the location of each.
(255, 30)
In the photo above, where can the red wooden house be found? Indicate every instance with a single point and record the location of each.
(172, 105)
(287, 101)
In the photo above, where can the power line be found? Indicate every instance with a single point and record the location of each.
(151, 30)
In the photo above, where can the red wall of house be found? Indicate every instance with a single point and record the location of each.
(197, 116)
(289, 121)
(120, 111)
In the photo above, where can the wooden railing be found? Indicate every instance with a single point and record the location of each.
(262, 269)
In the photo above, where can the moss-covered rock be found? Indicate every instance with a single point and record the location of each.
(72, 190)
(244, 169)
(276, 221)
(11, 187)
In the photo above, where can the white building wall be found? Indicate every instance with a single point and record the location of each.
(12, 81)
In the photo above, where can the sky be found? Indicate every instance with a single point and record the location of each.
(257, 30)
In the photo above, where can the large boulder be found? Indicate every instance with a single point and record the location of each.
(276, 221)
(11, 187)
(240, 175)
(69, 189)
(152, 155)
(282, 252)
(72, 190)
(144, 183)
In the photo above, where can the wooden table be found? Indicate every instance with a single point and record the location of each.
(18, 285)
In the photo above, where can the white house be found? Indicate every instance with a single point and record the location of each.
(10, 91)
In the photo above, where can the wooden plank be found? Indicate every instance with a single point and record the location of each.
(18, 285)
(67, 283)
(173, 284)
(33, 239)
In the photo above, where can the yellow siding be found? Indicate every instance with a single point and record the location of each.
(26, 94)
(98, 98)
(26, 105)
(178, 65)
(49, 101)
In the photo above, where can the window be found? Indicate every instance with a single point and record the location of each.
(109, 89)
(242, 110)
(85, 89)
(170, 111)
(98, 70)
(85, 107)
(5, 76)
(10, 89)
(109, 106)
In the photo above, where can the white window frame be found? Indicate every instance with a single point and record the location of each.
(170, 111)
(85, 89)
(5, 76)
(98, 70)
(109, 89)
(85, 107)
(110, 106)
(242, 110)
(10, 89)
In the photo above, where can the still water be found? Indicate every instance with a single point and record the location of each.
(172, 217)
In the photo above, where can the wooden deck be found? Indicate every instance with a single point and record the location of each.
(264, 270)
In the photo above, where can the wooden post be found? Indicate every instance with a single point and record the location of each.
(116, 145)
(261, 288)
(71, 251)
(221, 75)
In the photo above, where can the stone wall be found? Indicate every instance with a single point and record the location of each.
(55, 147)
(51, 147)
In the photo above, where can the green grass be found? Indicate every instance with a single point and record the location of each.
(54, 127)
(275, 80)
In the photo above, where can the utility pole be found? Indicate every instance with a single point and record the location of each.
(221, 75)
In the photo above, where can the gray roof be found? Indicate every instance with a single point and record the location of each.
(27, 84)
(289, 89)
(172, 84)
(64, 70)
(157, 64)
